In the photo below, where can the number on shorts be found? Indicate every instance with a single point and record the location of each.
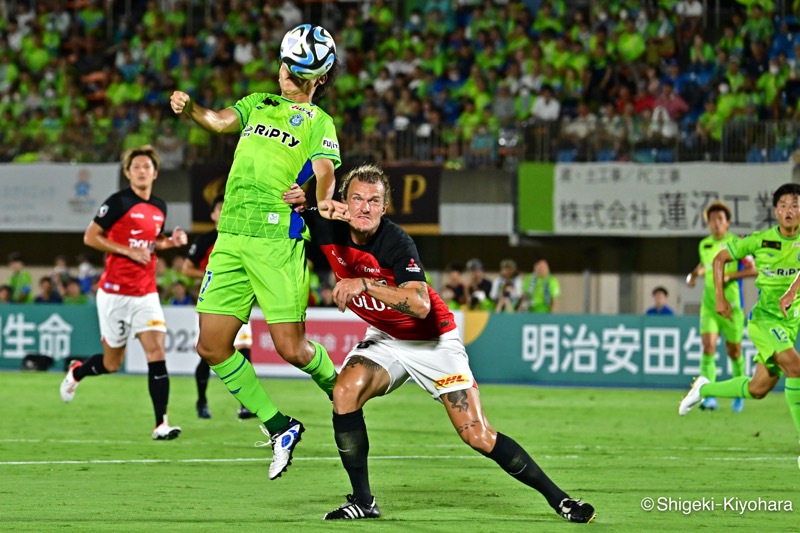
(208, 280)
(781, 334)
(122, 327)
(363, 345)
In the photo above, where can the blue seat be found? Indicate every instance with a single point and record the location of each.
(665, 155)
(567, 156)
(778, 155)
(608, 154)
(755, 155)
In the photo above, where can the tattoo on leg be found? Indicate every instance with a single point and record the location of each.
(369, 364)
(458, 400)
(464, 427)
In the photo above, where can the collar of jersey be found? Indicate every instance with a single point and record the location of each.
(293, 102)
(780, 235)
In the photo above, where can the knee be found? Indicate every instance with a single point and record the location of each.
(296, 354)
(757, 392)
(479, 438)
(112, 366)
(346, 397)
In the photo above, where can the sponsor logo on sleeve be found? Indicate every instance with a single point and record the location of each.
(413, 266)
(330, 144)
(102, 211)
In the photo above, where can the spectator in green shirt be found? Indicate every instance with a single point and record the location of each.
(20, 281)
(541, 290)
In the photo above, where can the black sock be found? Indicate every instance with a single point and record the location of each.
(516, 461)
(158, 383)
(91, 367)
(353, 444)
(201, 375)
(245, 352)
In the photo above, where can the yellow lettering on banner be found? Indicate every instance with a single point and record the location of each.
(414, 186)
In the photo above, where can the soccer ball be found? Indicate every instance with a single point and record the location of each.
(308, 51)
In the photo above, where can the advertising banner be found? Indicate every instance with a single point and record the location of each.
(51, 197)
(625, 199)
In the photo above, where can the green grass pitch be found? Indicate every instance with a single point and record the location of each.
(92, 466)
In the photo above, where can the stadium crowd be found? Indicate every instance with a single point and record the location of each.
(464, 83)
(465, 287)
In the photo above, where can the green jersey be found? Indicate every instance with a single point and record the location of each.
(778, 262)
(279, 140)
(708, 249)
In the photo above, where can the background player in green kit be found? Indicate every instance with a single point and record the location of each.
(775, 318)
(718, 218)
(259, 254)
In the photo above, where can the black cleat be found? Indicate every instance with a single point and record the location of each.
(202, 410)
(353, 510)
(576, 511)
(244, 413)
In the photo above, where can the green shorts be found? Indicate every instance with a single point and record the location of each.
(713, 322)
(244, 269)
(771, 337)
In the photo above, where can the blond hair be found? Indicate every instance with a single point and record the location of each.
(367, 174)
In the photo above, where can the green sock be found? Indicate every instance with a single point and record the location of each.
(792, 392)
(238, 375)
(708, 367)
(321, 369)
(732, 388)
(737, 366)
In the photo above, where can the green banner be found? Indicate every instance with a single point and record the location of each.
(535, 197)
(55, 330)
(605, 350)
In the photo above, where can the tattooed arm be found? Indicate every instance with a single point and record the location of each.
(410, 298)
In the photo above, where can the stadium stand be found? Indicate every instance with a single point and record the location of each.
(461, 83)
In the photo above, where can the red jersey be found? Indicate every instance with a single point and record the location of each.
(391, 257)
(136, 223)
(201, 249)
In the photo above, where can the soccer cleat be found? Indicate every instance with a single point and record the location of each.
(353, 510)
(245, 413)
(738, 405)
(709, 404)
(166, 432)
(203, 410)
(692, 398)
(69, 384)
(576, 511)
(283, 444)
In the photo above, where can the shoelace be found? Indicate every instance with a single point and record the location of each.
(261, 443)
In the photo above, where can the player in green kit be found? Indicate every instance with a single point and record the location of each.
(775, 318)
(718, 216)
(259, 253)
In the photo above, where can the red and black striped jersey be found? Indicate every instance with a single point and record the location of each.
(201, 249)
(136, 223)
(391, 257)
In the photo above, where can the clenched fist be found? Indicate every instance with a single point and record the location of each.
(179, 101)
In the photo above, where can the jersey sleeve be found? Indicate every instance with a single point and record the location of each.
(555, 288)
(162, 205)
(110, 212)
(745, 246)
(197, 250)
(324, 142)
(245, 106)
(405, 262)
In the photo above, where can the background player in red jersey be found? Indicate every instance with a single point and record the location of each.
(412, 333)
(129, 228)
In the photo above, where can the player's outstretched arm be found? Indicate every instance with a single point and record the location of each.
(698, 271)
(95, 237)
(176, 240)
(749, 271)
(723, 307)
(333, 210)
(223, 121)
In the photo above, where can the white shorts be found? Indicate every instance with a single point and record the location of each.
(439, 366)
(122, 315)
(244, 338)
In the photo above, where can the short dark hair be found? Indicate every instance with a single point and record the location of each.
(718, 205)
(454, 267)
(15, 256)
(218, 199)
(783, 190)
(660, 288)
